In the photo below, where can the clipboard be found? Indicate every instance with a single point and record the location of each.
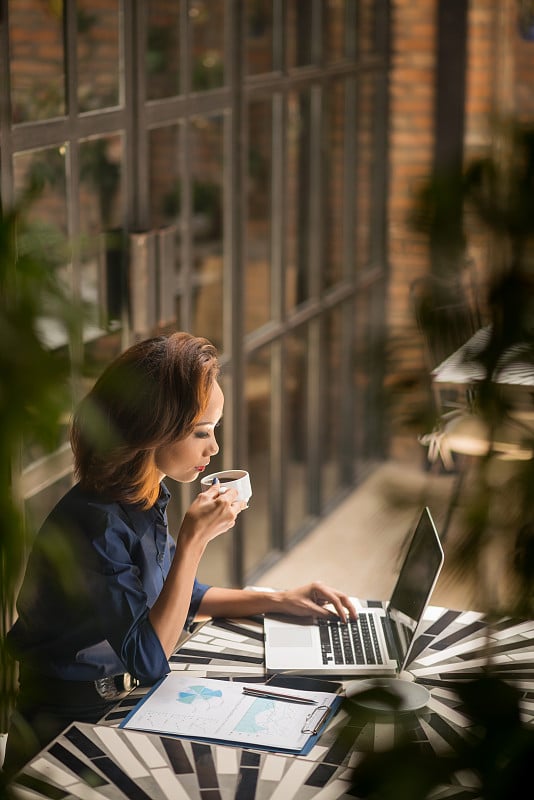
(219, 712)
(316, 723)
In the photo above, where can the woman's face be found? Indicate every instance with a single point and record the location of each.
(187, 458)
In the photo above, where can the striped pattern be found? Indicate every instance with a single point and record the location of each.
(515, 366)
(104, 761)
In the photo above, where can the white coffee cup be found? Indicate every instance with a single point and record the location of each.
(238, 479)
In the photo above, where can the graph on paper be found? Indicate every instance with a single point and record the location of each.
(218, 710)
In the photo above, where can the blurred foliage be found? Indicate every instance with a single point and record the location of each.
(34, 391)
(497, 191)
(498, 759)
(497, 188)
(493, 195)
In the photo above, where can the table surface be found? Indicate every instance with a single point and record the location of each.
(515, 366)
(105, 761)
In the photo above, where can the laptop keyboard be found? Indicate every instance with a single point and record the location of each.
(353, 642)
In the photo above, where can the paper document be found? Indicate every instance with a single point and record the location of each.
(219, 711)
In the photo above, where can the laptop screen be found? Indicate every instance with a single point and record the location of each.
(418, 576)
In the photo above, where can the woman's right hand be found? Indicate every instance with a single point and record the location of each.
(211, 513)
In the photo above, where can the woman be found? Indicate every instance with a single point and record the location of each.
(107, 592)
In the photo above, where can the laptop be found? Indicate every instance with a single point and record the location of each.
(379, 642)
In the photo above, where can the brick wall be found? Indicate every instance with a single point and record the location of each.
(411, 148)
(499, 79)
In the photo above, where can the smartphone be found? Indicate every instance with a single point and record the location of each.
(304, 682)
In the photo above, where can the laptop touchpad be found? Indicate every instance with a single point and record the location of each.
(292, 636)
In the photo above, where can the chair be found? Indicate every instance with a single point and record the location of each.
(444, 315)
(446, 321)
(467, 434)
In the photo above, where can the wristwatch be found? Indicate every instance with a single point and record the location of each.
(113, 687)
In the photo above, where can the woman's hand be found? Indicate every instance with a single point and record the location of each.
(312, 600)
(211, 513)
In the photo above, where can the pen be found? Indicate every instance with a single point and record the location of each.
(289, 698)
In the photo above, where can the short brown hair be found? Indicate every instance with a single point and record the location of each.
(149, 396)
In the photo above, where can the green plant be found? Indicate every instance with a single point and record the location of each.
(206, 200)
(500, 756)
(34, 393)
(497, 193)
(207, 72)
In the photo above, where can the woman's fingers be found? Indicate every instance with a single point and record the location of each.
(313, 600)
(218, 509)
(322, 595)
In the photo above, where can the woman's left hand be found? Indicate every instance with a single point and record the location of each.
(312, 599)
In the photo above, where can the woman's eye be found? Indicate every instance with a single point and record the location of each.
(205, 434)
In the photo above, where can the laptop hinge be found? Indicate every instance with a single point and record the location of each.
(392, 645)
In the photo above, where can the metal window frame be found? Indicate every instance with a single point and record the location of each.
(139, 116)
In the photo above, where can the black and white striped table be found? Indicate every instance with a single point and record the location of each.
(515, 367)
(90, 762)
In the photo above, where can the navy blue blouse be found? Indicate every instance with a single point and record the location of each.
(94, 572)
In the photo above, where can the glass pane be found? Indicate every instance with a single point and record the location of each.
(214, 568)
(207, 134)
(257, 308)
(165, 210)
(257, 521)
(98, 353)
(334, 152)
(216, 562)
(36, 60)
(164, 178)
(98, 53)
(206, 29)
(175, 509)
(367, 20)
(298, 198)
(32, 448)
(332, 438)
(364, 440)
(259, 33)
(364, 173)
(335, 30)
(299, 28)
(162, 59)
(296, 423)
(101, 211)
(45, 169)
(47, 216)
(37, 508)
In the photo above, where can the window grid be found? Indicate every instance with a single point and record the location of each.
(361, 61)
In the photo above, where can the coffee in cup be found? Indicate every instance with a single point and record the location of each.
(238, 479)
